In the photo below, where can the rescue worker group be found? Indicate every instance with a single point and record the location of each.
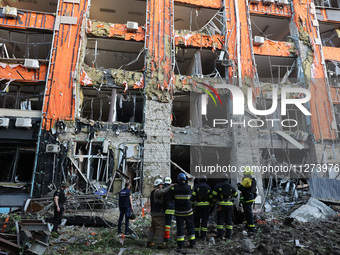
(191, 206)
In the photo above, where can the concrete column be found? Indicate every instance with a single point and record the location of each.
(157, 145)
(245, 152)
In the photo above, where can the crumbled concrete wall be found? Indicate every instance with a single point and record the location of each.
(128, 79)
(192, 136)
(188, 83)
(245, 152)
(113, 30)
(157, 145)
(198, 39)
(135, 80)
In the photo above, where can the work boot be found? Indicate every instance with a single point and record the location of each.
(150, 244)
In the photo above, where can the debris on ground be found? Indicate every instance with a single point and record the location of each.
(247, 245)
(312, 211)
(292, 225)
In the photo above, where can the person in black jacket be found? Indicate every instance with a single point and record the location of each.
(201, 198)
(125, 207)
(223, 193)
(156, 230)
(181, 193)
(59, 199)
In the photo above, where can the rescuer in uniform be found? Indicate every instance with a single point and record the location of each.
(181, 193)
(248, 195)
(156, 230)
(201, 199)
(169, 209)
(223, 193)
(125, 207)
(59, 199)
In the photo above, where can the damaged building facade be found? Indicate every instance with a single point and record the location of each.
(98, 92)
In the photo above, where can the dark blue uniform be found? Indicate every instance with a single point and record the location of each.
(224, 192)
(201, 198)
(124, 209)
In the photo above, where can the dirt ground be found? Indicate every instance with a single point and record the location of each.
(273, 236)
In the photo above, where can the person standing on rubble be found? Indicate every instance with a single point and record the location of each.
(223, 193)
(169, 209)
(156, 230)
(248, 195)
(181, 193)
(59, 199)
(201, 199)
(125, 208)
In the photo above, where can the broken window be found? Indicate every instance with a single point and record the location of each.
(180, 155)
(16, 163)
(181, 109)
(23, 97)
(276, 29)
(328, 3)
(198, 110)
(293, 113)
(93, 161)
(29, 45)
(198, 62)
(117, 54)
(330, 34)
(129, 166)
(194, 19)
(130, 108)
(191, 61)
(333, 72)
(96, 106)
(276, 70)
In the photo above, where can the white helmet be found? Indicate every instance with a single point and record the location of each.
(157, 182)
(167, 180)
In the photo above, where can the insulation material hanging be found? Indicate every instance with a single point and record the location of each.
(59, 99)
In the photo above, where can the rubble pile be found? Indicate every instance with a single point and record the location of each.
(288, 221)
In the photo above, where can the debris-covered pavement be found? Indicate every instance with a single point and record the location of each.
(273, 236)
(285, 224)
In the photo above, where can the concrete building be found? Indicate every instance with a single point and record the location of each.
(97, 92)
